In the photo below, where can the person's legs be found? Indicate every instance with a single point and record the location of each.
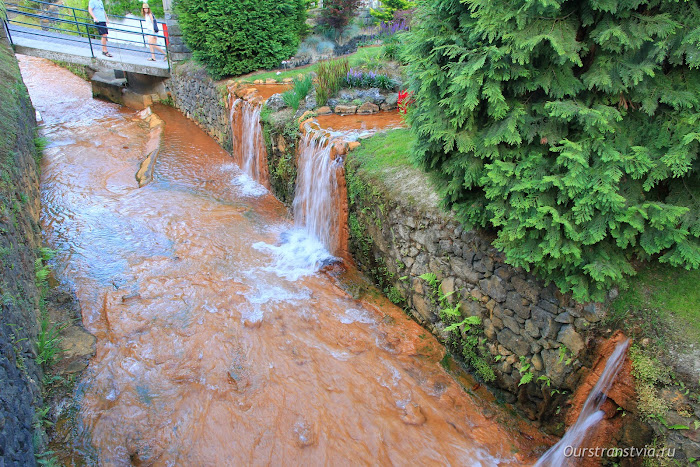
(152, 41)
(103, 31)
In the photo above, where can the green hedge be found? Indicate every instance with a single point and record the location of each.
(571, 127)
(235, 37)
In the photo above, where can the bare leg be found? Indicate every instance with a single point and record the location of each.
(153, 46)
(104, 43)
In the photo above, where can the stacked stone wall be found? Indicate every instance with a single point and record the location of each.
(526, 326)
(202, 100)
(20, 375)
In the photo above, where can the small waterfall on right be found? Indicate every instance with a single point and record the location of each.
(590, 415)
(248, 144)
(320, 191)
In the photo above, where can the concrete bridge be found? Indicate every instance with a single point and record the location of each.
(63, 33)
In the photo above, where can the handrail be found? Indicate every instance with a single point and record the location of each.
(58, 20)
(6, 25)
(67, 7)
(78, 23)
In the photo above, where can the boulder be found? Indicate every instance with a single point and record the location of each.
(515, 302)
(345, 109)
(368, 108)
(392, 99)
(310, 102)
(275, 102)
(371, 94)
(325, 110)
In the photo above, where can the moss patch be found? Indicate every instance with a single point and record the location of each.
(667, 296)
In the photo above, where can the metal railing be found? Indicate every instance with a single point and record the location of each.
(60, 24)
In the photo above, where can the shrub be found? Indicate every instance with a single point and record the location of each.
(387, 12)
(122, 7)
(336, 14)
(393, 45)
(330, 78)
(571, 127)
(232, 38)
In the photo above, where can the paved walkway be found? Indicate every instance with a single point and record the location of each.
(74, 49)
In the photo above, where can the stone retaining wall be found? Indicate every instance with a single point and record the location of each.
(20, 375)
(399, 234)
(202, 100)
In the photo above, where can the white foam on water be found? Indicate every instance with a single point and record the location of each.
(245, 185)
(266, 293)
(298, 254)
(248, 187)
(354, 315)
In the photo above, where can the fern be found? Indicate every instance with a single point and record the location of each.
(570, 127)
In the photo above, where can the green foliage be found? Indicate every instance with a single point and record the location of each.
(570, 127)
(336, 14)
(394, 45)
(48, 339)
(331, 74)
(363, 57)
(40, 144)
(464, 328)
(47, 343)
(364, 79)
(232, 38)
(122, 7)
(389, 7)
(395, 295)
(78, 70)
(301, 88)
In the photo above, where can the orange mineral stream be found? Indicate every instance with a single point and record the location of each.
(216, 345)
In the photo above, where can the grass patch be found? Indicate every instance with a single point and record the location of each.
(663, 295)
(298, 93)
(363, 56)
(78, 70)
(385, 150)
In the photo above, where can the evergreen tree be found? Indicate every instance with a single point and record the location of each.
(572, 127)
(235, 37)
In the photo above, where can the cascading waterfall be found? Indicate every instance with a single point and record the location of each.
(248, 144)
(590, 415)
(318, 194)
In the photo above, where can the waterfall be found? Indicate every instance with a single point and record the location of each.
(318, 197)
(248, 144)
(590, 414)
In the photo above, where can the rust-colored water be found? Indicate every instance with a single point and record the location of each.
(212, 347)
(377, 121)
(268, 90)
